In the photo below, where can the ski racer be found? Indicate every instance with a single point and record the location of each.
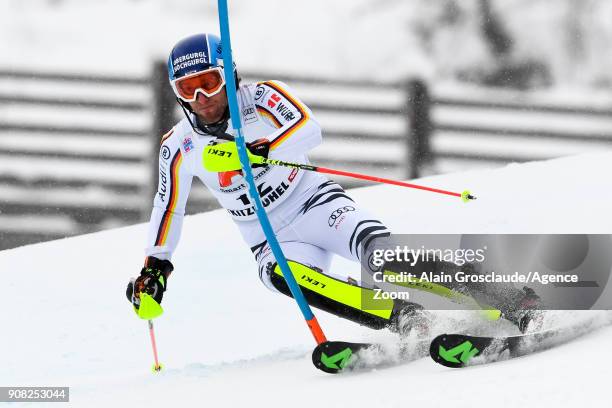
(301, 205)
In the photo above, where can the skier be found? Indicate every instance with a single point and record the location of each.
(313, 217)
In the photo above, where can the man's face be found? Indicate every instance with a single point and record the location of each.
(210, 110)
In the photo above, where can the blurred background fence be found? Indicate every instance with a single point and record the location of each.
(78, 153)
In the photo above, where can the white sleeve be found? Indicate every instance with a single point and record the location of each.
(170, 199)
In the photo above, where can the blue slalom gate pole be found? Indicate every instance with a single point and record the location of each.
(232, 98)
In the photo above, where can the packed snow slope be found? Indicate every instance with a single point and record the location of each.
(226, 341)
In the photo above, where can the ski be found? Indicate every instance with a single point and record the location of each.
(463, 350)
(339, 356)
(451, 350)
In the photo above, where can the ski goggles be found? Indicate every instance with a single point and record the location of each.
(210, 82)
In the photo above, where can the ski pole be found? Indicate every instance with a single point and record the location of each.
(223, 157)
(157, 366)
(243, 162)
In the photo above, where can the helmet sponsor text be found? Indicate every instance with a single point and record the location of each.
(189, 60)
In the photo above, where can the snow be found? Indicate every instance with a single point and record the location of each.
(226, 341)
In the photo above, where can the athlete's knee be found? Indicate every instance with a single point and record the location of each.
(368, 235)
(265, 275)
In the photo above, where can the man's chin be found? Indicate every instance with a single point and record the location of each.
(206, 118)
(205, 114)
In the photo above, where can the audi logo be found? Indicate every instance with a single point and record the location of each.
(337, 213)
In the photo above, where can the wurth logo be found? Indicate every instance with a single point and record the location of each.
(285, 112)
(274, 99)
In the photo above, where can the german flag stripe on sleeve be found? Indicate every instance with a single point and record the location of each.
(291, 130)
(269, 115)
(164, 228)
(166, 136)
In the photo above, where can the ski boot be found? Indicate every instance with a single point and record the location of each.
(411, 320)
(528, 316)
